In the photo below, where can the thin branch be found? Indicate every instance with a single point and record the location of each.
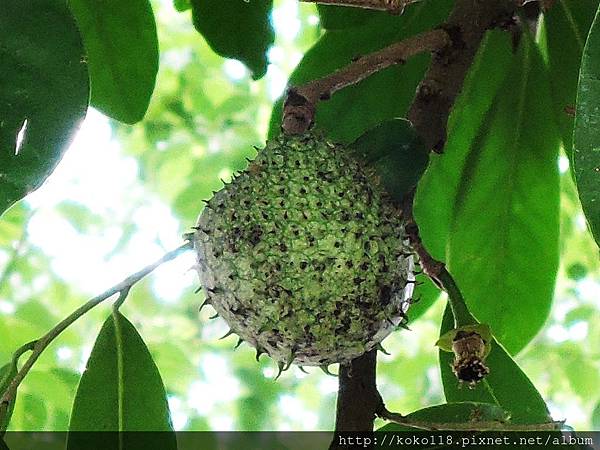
(467, 426)
(392, 6)
(300, 104)
(37, 347)
(434, 269)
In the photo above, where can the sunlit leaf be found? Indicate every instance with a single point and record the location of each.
(11, 226)
(57, 400)
(43, 92)
(30, 413)
(386, 95)
(586, 138)
(182, 5)
(506, 385)
(501, 198)
(121, 390)
(237, 29)
(122, 53)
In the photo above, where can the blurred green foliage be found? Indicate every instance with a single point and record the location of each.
(204, 119)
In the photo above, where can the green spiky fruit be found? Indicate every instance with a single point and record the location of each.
(303, 255)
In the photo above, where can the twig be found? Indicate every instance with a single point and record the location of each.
(392, 6)
(434, 269)
(300, 104)
(492, 425)
(37, 347)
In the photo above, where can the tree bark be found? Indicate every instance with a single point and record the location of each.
(467, 24)
(358, 399)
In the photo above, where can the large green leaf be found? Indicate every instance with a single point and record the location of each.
(425, 295)
(237, 29)
(385, 95)
(43, 92)
(450, 413)
(437, 190)
(120, 390)
(122, 52)
(500, 200)
(338, 17)
(586, 155)
(565, 28)
(506, 385)
(396, 153)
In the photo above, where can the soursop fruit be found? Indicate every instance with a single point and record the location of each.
(303, 255)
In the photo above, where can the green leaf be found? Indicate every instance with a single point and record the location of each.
(120, 390)
(425, 295)
(383, 96)
(7, 373)
(43, 92)
(237, 29)
(338, 17)
(182, 5)
(498, 212)
(577, 271)
(437, 190)
(396, 153)
(586, 139)
(565, 27)
(505, 386)
(122, 52)
(450, 413)
(30, 413)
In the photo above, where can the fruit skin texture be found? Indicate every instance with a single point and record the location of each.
(303, 255)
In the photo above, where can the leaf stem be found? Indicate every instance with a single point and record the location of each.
(467, 426)
(37, 347)
(436, 270)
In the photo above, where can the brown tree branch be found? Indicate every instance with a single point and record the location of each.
(434, 269)
(467, 24)
(358, 399)
(300, 104)
(392, 6)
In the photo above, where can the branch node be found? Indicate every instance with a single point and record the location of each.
(298, 113)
